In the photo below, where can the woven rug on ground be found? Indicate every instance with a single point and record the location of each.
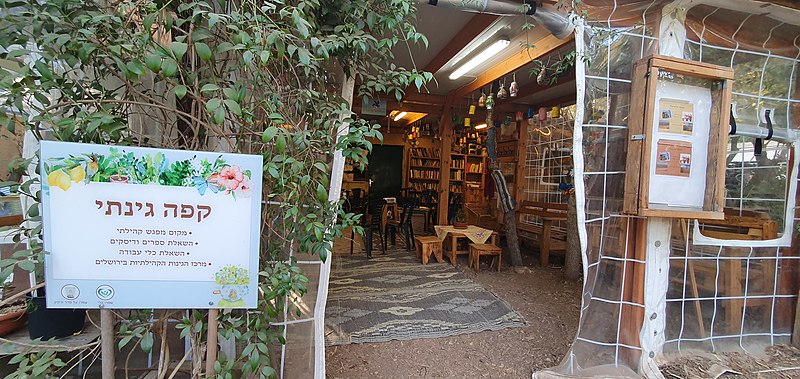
(394, 297)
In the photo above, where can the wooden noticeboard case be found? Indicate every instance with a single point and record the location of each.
(663, 73)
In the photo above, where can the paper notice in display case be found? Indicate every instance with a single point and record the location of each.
(680, 145)
(674, 158)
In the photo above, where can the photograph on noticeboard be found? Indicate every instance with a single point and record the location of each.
(676, 116)
(674, 167)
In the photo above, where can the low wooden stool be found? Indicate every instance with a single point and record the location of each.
(427, 246)
(476, 250)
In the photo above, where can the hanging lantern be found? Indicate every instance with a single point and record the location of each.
(508, 121)
(513, 89)
(542, 114)
(472, 109)
(555, 112)
(467, 121)
(502, 93)
(482, 100)
(489, 102)
(518, 116)
(530, 112)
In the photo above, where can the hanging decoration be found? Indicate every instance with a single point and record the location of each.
(518, 116)
(482, 100)
(555, 112)
(467, 121)
(508, 120)
(489, 102)
(542, 114)
(472, 109)
(513, 89)
(530, 112)
(502, 94)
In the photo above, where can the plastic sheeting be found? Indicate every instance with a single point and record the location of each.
(714, 298)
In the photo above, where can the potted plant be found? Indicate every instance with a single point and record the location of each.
(460, 221)
(12, 312)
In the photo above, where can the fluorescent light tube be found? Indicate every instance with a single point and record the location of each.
(480, 58)
(400, 115)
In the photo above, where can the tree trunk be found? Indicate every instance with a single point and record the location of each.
(509, 212)
(572, 259)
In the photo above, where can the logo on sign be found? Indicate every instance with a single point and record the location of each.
(70, 292)
(105, 292)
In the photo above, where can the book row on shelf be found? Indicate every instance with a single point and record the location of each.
(424, 152)
(424, 163)
(457, 164)
(424, 174)
(456, 175)
(419, 187)
(475, 168)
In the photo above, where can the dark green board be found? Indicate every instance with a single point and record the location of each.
(386, 171)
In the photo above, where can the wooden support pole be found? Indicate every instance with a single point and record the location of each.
(107, 343)
(446, 134)
(211, 345)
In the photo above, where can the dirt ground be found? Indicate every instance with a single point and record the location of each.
(779, 362)
(549, 304)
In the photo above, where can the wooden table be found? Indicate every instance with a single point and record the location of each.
(451, 249)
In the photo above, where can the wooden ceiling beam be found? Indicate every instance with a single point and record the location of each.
(408, 107)
(516, 61)
(472, 29)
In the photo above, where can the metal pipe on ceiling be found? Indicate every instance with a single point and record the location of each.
(548, 16)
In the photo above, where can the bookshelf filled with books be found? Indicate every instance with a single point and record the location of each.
(424, 170)
(467, 176)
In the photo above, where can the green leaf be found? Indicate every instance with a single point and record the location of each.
(264, 55)
(203, 51)
(169, 67)
(302, 54)
(179, 49)
(300, 24)
(136, 68)
(213, 104)
(219, 115)
(43, 70)
(322, 194)
(180, 91)
(280, 144)
(153, 62)
(247, 57)
(147, 342)
(268, 134)
(209, 88)
(27, 265)
(85, 51)
(233, 106)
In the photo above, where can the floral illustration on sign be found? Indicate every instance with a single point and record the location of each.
(233, 284)
(119, 166)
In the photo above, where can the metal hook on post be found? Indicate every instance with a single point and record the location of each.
(759, 145)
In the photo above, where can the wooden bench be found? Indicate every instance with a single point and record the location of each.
(547, 238)
(744, 225)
